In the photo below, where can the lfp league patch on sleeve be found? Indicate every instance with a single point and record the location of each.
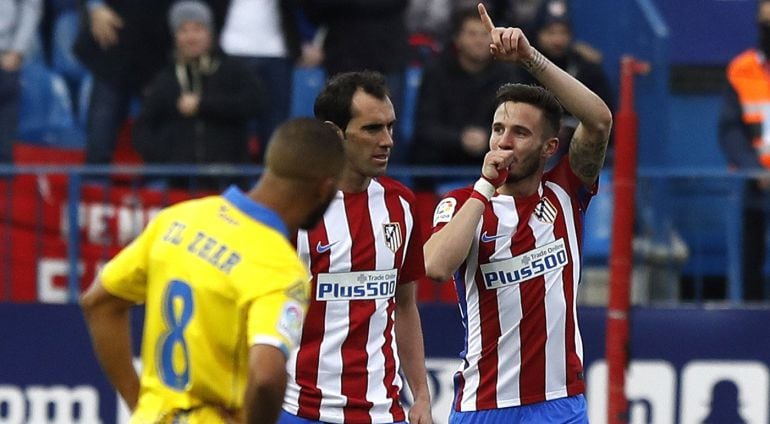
(444, 211)
(290, 323)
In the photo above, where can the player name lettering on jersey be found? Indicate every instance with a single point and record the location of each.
(526, 266)
(206, 247)
(361, 285)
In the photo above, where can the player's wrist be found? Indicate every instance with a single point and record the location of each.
(535, 63)
(483, 190)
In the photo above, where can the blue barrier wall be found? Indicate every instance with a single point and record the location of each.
(681, 362)
(699, 29)
(633, 27)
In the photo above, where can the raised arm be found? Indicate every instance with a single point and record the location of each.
(589, 143)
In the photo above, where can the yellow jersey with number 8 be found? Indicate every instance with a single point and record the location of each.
(217, 275)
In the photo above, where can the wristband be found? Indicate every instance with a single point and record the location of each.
(483, 190)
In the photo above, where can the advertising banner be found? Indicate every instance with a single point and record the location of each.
(687, 365)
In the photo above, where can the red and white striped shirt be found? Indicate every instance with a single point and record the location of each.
(346, 369)
(517, 290)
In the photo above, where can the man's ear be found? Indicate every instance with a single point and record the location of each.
(336, 129)
(550, 146)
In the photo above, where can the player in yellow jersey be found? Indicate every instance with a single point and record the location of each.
(224, 290)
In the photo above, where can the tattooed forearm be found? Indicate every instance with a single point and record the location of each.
(586, 157)
(536, 64)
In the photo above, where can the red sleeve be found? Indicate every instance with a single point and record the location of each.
(563, 175)
(414, 264)
(448, 207)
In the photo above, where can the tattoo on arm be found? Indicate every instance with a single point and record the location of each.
(586, 158)
(537, 64)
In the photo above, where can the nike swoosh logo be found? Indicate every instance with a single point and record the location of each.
(486, 239)
(323, 248)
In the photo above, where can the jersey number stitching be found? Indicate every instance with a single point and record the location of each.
(168, 342)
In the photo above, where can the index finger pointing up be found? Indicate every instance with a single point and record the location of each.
(485, 19)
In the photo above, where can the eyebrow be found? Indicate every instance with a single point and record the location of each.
(375, 125)
(514, 127)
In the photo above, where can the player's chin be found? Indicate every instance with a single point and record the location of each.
(379, 166)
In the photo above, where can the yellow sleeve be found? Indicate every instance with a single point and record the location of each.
(125, 275)
(276, 318)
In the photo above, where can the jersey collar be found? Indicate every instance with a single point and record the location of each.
(255, 210)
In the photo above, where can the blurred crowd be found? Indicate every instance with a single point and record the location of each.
(193, 81)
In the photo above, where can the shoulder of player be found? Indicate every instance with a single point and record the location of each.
(393, 186)
(460, 194)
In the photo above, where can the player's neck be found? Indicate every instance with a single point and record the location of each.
(522, 188)
(353, 182)
(275, 199)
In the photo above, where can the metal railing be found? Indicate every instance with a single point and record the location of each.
(41, 204)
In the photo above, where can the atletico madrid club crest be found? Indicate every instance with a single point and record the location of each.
(392, 232)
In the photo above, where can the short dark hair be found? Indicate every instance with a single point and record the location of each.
(536, 96)
(459, 16)
(296, 140)
(335, 101)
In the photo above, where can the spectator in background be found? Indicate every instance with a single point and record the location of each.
(365, 34)
(744, 134)
(457, 96)
(519, 13)
(266, 36)
(124, 44)
(198, 108)
(428, 21)
(429, 17)
(553, 37)
(18, 25)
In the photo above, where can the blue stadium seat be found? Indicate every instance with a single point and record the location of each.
(45, 110)
(84, 100)
(598, 223)
(306, 85)
(411, 92)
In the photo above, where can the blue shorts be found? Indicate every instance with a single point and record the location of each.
(569, 410)
(287, 418)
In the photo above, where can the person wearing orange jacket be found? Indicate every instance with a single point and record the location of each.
(744, 135)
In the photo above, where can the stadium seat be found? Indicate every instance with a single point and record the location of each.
(84, 98)
(598, 224)
(411, 92)
(35, 55)
(306, 85)
(45, 111)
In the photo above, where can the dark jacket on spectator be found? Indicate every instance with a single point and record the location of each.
(451, 99)
(218, 133)
(362, 34)
(144, 43)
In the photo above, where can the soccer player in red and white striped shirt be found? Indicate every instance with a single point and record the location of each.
(513, 243)
(362, 325)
